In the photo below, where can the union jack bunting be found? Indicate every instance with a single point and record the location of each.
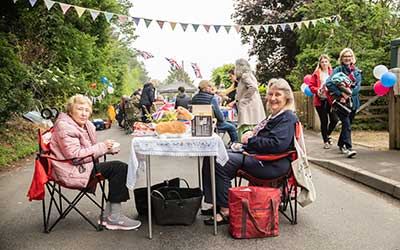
(144, 54)
(196, 70)
(174, 64)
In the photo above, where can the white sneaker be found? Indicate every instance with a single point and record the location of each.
(121, 222)
(343, 150)
(350, 153)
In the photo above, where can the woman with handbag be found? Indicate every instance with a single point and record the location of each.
(347, 60)
(74, 138)
(327, 117)
(273, 135)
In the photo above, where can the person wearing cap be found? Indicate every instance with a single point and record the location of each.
(205, 96)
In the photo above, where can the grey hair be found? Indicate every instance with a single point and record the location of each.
(242, 66)
(283, 85)
(77, 99)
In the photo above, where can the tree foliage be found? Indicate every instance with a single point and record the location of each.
(178, 75)
(275, 51)
(220, 76)
(47, 56)
(365, 26)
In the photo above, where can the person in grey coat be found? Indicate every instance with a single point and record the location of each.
(248, 100)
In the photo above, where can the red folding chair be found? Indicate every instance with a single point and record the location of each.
(42, 178)
(287, 183)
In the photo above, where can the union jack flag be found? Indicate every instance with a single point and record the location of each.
(174, 64)
(144, 54)
(196, 70)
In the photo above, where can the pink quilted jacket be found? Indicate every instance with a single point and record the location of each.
(69, 141)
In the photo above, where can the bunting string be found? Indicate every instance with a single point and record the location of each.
(208, 28)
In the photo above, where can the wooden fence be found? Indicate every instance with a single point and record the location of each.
(372, 114)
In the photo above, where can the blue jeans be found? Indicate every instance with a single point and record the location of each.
(345, 133)
(231, 130)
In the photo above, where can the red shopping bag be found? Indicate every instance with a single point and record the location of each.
(253, 212)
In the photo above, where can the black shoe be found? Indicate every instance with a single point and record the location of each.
(223, 221)
(208, 212)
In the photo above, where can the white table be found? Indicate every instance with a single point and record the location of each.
(143, 147)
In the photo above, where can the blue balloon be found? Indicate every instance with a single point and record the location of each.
(388, 79)
(104, 79)
(307, 91)
(110, 84)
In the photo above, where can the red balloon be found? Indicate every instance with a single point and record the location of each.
(93, 85)
(307, 79)
(380, 89)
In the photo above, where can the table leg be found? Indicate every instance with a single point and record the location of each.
(214, 198)
(148, 183)
(199, 171)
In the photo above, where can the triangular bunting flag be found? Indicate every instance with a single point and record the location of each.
(32, 2)
(257, 28)
(16, 1)
(147, 22)
(227, 28)
(216, 28)
(283, 26)
(247, 28)
(291, 26)
(173, 24)
(184, 26)
(79, 10)
(314, 22)
(108, 16)
(64, 7)
(266, 27)
(94, 14)
(195, 27)
(306, 23)
(48, 3)
(136, 20)
(298, 24)
(207, 27)
(322, 20)
(160, 23)
(274, 27)
(237, 28)
(122, 18)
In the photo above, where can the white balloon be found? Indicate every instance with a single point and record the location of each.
(110, 90)
(303, 87)
(379, 71)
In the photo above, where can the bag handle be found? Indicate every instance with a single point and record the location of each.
(158, 193)
(176, 193)
(245, 207)
(185, 181)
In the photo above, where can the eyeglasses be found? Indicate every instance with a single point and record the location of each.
(348, 56)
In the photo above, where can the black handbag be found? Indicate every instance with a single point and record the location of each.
(176, 206)
(141, 194)
(341, 108)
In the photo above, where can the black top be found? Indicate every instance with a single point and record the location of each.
(182, 100)
(148, 95)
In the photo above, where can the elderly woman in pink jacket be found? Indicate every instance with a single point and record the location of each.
(74, 138)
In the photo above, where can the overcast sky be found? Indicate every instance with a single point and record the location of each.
(208, 50)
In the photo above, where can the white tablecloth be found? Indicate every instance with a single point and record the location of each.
(188, 146)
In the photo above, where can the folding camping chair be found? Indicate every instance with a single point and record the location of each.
(42, 178)
(287, 183)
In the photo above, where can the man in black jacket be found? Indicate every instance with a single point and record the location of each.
(182, 99)
(147, 98)
(206, 96)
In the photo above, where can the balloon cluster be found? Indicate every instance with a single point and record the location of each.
(386, 80)
(104, 80)
(305, 86)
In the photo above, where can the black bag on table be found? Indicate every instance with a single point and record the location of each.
(176, 206)
(141, 194)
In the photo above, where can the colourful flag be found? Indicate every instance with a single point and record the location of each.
(144, 54)
(196, 70)
(174, 64)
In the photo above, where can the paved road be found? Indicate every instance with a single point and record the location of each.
(346, 215)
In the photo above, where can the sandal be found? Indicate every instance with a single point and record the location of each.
(209, 212)
(223, 221)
